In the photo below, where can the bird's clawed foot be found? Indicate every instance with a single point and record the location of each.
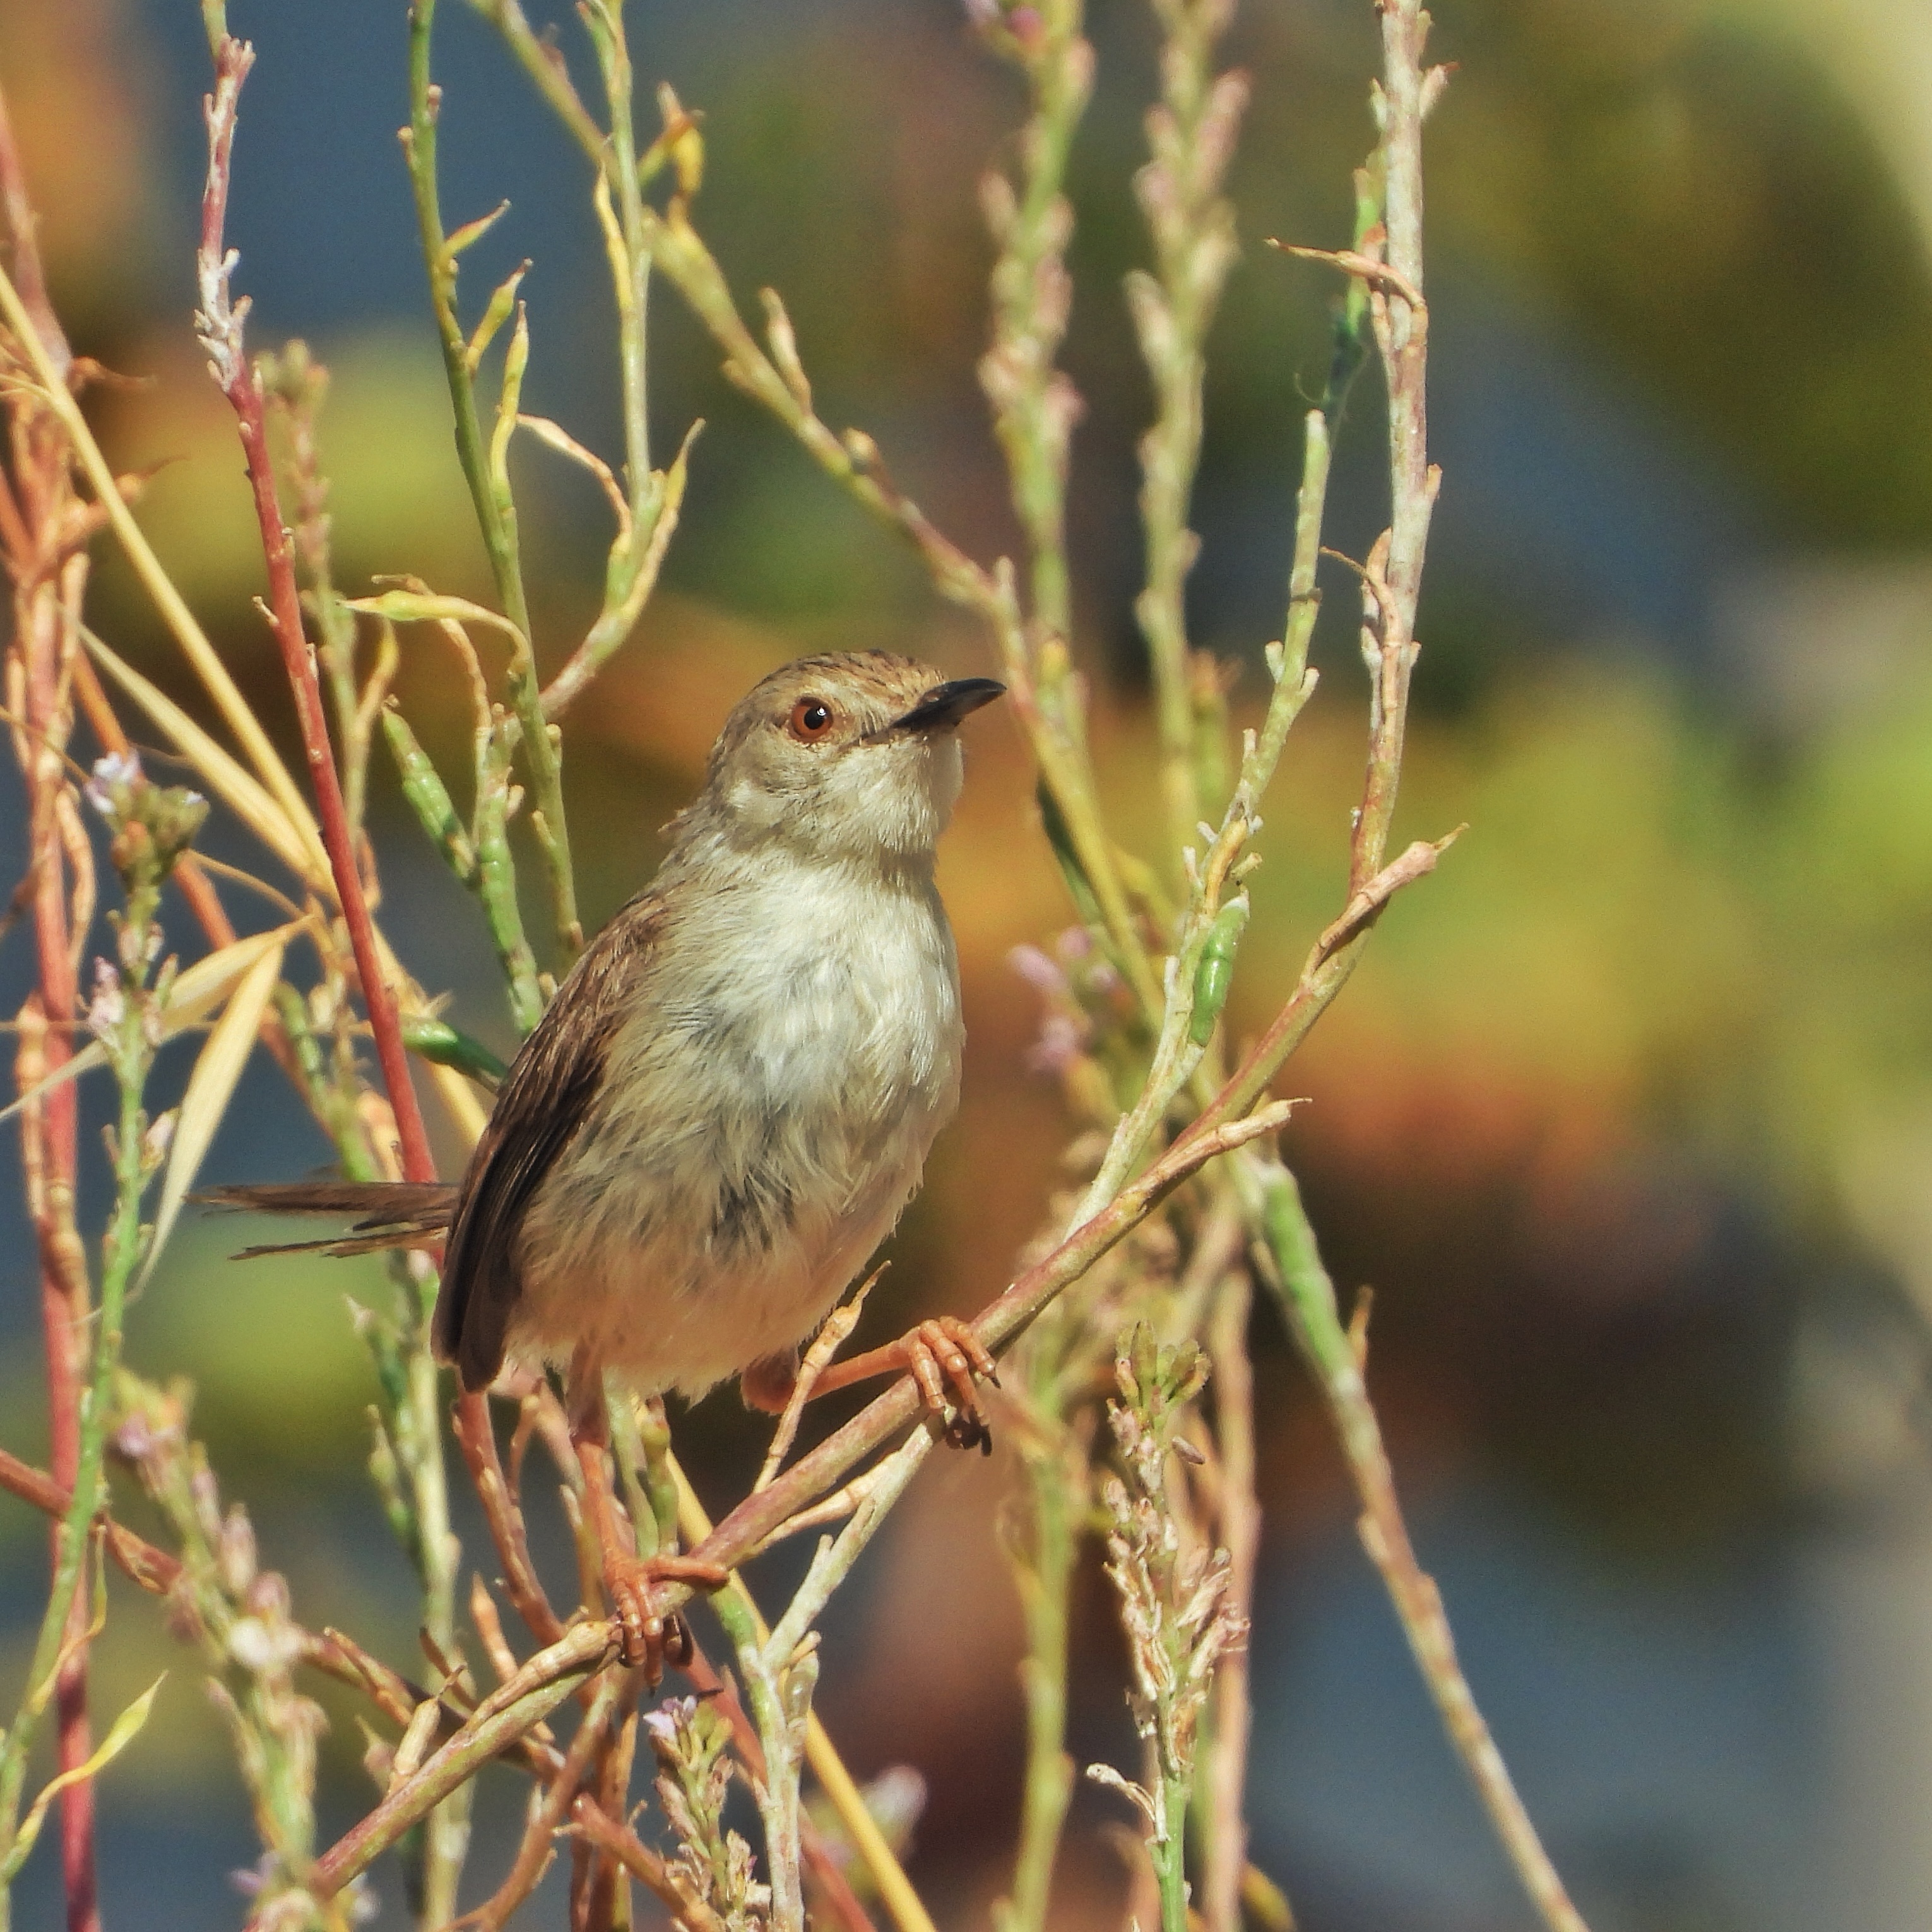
(648, 1635)
(944, 1356)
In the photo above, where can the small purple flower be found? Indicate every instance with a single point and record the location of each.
(251, 1880)
(109, 1006)
(1057, 1047)
(119, 772)
(1039, 972)
(665, 1723)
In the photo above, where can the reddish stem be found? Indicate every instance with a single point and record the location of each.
(221, 327)
(41, 496)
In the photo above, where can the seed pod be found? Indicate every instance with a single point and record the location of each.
(439, 1041)
(428, 797)
(1214, 971)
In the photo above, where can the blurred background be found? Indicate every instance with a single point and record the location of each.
(1628, 1118)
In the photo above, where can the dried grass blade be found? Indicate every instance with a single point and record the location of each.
(197, 991)
(294, 840)
(209, 1088)
(188, 633)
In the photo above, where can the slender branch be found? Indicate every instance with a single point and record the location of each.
(1306, 1293)
(138, 1560)
(219, 325)
(535, 1852)
(751, 1525)
(148, 827)
(1192, 136)
(47, 595)
(847, 1800)
(489, 490)
(502, 1717)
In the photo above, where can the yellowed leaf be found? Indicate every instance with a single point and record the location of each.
(125, 1729)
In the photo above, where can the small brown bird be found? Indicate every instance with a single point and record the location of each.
(730, 1100)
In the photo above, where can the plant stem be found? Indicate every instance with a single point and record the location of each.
(755, 1520)
(39, 500)
(1044, 1576)
(1224, 1827)
(1307, 1295)
(1191, 136)
(121, 1018)
(496, 512)
(220, 328)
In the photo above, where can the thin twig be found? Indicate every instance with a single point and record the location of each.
(829, 1340)
(502, 1717)
(46, 597)
(219, 324)
(748, 1527)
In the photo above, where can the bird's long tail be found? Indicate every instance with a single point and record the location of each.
(385, 1213)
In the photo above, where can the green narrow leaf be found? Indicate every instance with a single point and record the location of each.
(428, 797)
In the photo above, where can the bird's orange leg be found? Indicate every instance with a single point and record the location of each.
(943, 1356)
(648, 1635)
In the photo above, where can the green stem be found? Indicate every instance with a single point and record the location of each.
(1169, 1852)
(419, 1446)
(631, 269)
(1191, 134)
(495, 515)
(1046, 1579)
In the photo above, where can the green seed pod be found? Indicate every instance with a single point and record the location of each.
(429, 798)
(439, 1041)
(1214, 971)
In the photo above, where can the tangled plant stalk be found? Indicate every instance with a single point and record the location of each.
(1145, 1274)
(1174, 1601)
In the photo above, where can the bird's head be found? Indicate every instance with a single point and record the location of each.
(852, 755)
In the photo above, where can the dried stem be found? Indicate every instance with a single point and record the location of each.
(502, 1718)
(750, 1526)
(41, 511)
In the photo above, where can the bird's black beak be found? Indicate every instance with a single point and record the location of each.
(945, 704)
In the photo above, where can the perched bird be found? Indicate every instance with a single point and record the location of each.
(730, 1100)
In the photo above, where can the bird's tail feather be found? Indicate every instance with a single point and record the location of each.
(385, 1214)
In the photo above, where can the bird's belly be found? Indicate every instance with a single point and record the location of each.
(764, 1138)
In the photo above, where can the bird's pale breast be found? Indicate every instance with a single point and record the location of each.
(765, 1115)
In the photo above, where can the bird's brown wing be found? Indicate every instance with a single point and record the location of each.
(541, 1105)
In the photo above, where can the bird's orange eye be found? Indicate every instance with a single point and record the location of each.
(811, 718)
